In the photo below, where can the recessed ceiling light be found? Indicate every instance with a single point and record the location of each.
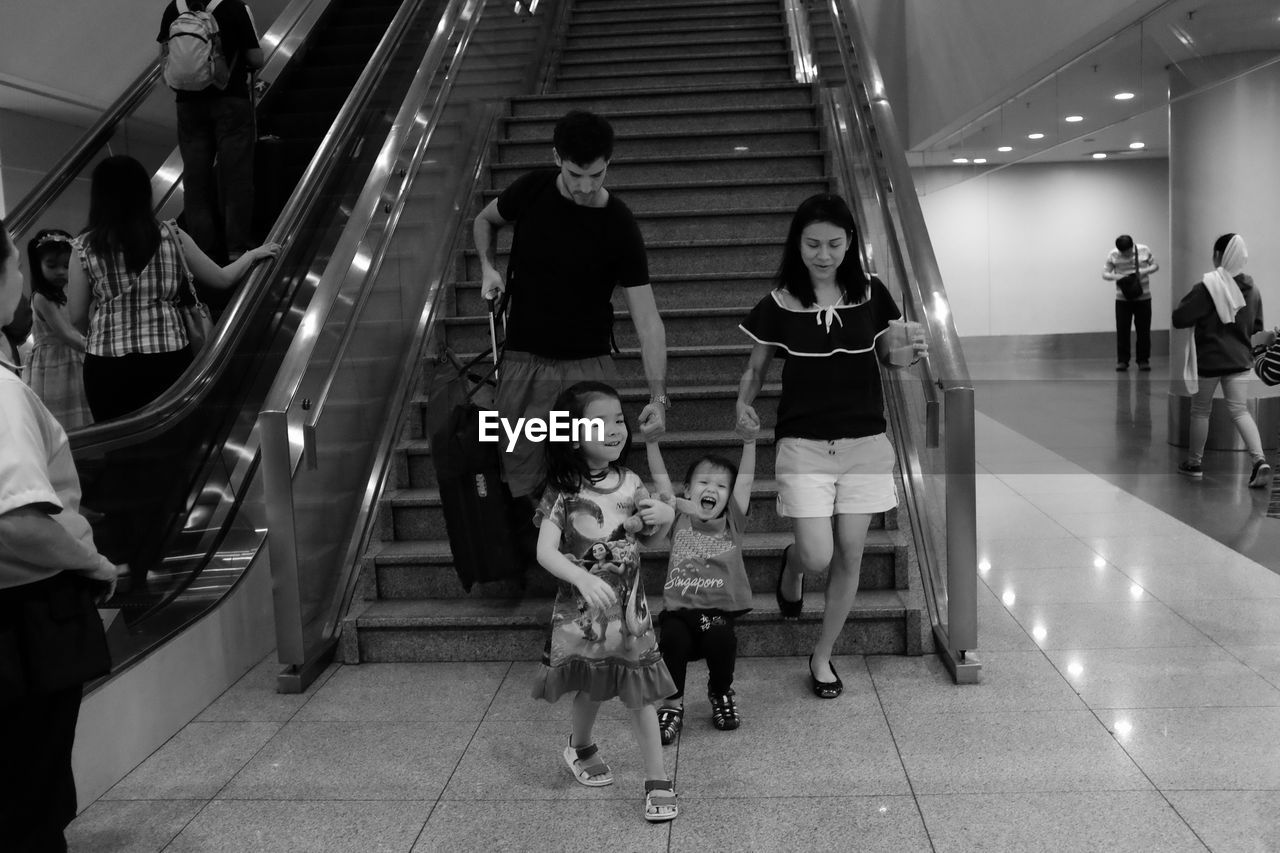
(1099, 155)
(1124, 96)
(1074, 119)
(979, 160)
(960, 160)
(1035, 136)
(1005, 148)
(1137, 145)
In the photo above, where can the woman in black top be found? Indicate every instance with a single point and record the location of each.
(829, 320)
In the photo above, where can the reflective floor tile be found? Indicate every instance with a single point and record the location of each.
(354, 761)
(1232, 821)
(292, 827)
(1186, 677)
(1067, 584)
(1072, 822)
(1238, 622)
(1011, 752)
(1131, 624)
(883, 824)
(1202, 748)
(1176, 582)
(1014, 553)
(1011, 681)
(130, 826)
(195, 763)
(425, 692)
(254, 696)
(535, 826)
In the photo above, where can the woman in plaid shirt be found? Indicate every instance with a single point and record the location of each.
(133, 270)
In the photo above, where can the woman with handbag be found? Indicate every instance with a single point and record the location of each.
(51, 637)
(146, 322)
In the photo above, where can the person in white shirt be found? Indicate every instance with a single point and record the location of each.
(1129, 258)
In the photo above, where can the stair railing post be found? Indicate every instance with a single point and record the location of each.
(962, 511)
(282, 547)
(803, 64)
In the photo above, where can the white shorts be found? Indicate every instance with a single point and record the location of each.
(848, 476)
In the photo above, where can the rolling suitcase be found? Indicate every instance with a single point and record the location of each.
(478, 507)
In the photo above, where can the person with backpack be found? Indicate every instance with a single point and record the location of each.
(208, 49)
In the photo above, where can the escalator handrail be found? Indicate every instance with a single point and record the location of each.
(28, 211)
(946, 358)
(207, 368)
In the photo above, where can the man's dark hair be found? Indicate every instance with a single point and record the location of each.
(582, 137)
(1124, 242)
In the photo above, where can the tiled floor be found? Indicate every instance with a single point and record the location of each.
(1130, 702)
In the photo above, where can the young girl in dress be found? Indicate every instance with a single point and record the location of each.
(602, 643)
(707, 586)
(55, 370)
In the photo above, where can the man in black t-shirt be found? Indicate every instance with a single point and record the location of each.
(216, 136)
(574, 242)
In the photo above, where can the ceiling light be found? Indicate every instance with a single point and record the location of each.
(1099, 155)
(960, 160)
(1074, 119)
(1036, 135)
(979, 160)
(1124, 96)
(1137, 145)
(1005, 148)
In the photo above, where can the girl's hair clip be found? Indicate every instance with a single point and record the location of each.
(53, 237)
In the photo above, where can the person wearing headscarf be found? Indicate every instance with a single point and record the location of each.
(1224, 310)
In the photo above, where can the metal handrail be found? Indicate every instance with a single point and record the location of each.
(208, 367)
(923, 291)
(281, 35)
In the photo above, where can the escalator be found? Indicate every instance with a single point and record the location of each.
(338, 70)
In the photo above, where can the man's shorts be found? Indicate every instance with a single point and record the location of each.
(848, 476)
(528, 387)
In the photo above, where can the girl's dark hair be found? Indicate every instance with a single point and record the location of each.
(1220, 245)
(566, 469)
(793, 275)
(718, 462)
(47, 242)
(120, 217)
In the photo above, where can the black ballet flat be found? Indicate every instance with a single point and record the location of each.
(788, 609)
(825, 689)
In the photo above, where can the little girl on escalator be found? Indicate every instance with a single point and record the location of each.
(55, 370)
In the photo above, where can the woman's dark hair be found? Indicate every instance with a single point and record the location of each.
(48, 241)
(716, 462)
(793, 275)
(120, 217)
(566, 469)
(1220, 245)
(582, 137)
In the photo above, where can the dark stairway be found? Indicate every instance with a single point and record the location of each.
(716, 146)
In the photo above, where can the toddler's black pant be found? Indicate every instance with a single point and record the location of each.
(694, 634)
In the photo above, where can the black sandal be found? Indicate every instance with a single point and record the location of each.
(724, 711)
(825, 689)
(788, 609)
(670, 721)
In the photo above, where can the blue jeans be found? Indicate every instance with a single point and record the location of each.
(216, 137)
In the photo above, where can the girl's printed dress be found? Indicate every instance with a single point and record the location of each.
(55, 372)
(611, 652)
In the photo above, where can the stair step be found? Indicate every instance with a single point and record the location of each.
(670, 291)
(624, 80)
(592, 21)
(689, 62)
(684, 327)
(645, 48)
(630, 124)
(500, 629)
(687, 34)
(733, 143)
(783, 164)
(690, 257)
(424, 570)
(688, 97)
(586, 5)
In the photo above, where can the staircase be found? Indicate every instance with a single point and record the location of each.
(715, 148)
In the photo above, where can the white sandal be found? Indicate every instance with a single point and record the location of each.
(586, 765)
(660, 801)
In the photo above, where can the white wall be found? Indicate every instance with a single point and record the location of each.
(1021, 249)
(1018, 41)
